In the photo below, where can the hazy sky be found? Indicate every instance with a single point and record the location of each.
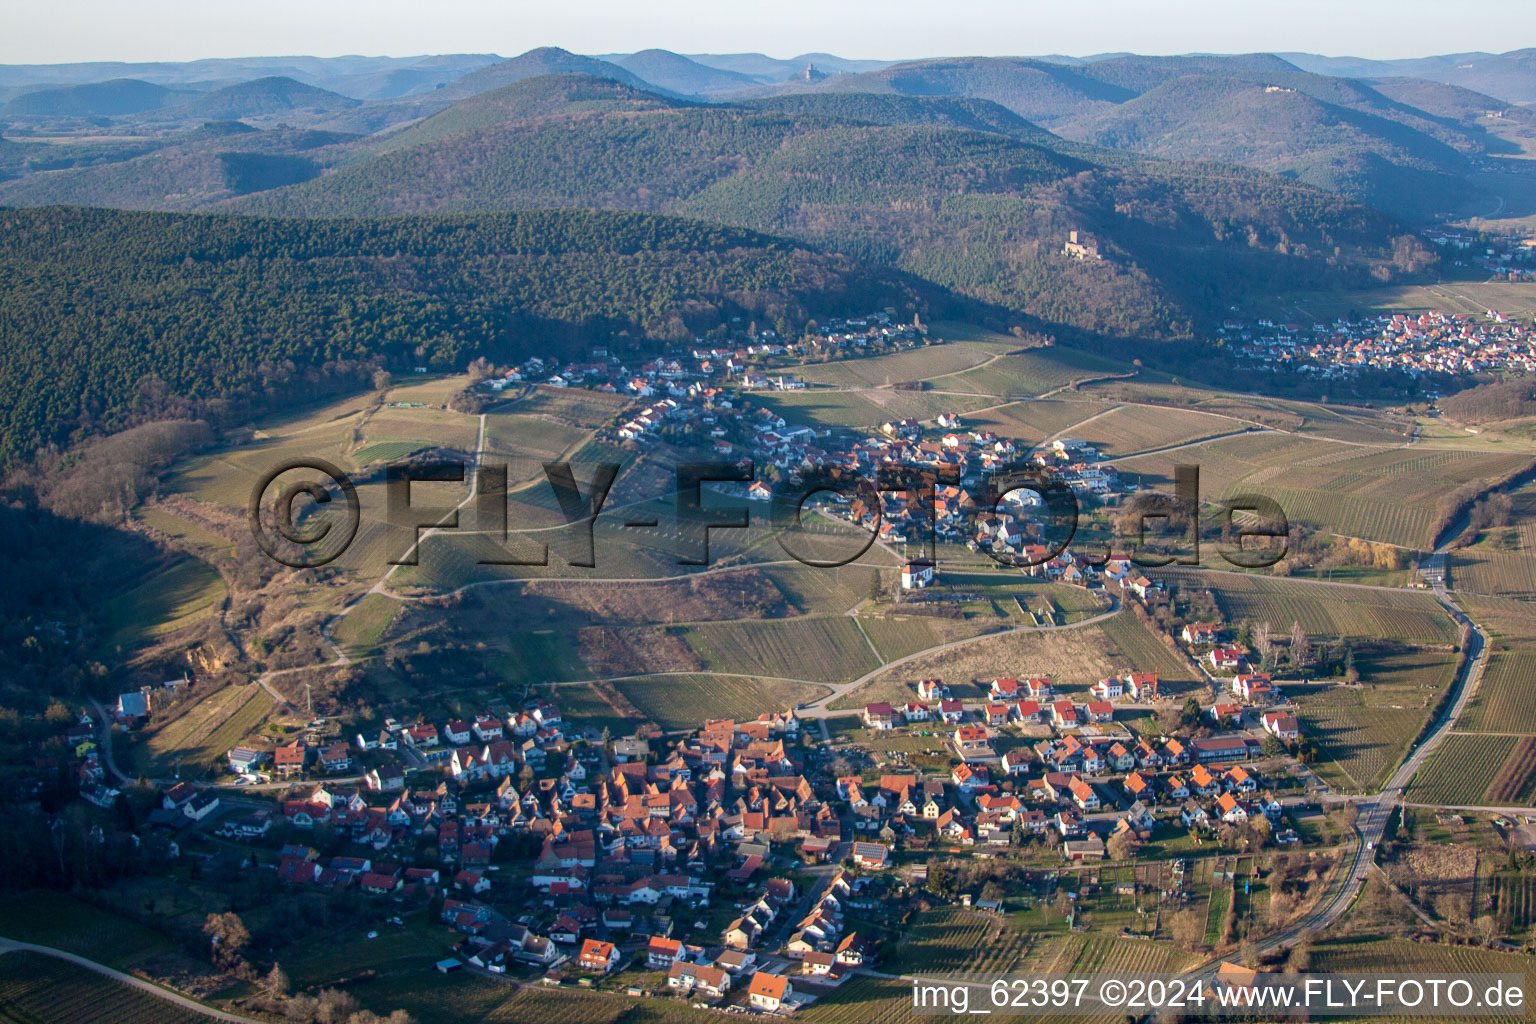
(51, 31)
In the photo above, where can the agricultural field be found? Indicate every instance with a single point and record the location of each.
(1461, 770)
(1471, 297)
(1140, 648)
(685, 702)
(36, 989)
(1505, 699)
(1075, 658)
(1358, 745)
(574, 406)
(815, 591)
(1480, 569)
(64, 922)
(1513, 897)
(523, 442)
(162, 518)
(823, 649)
(1034, 421)
(1515, 783)
(821, 407)
(360, 630)
(198, 739)
(182, 593)
(1322, 610)
(1028, 374)
(912, 365)
(1132, 428)
(587, 706)
(1384, 494)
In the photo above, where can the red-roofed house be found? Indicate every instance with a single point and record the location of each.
(601, 957)
(769, 991)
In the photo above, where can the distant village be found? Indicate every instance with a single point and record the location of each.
(1426, 345)
(1429, 344)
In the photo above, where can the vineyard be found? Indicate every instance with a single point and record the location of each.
(37, 989)
(1134, 428)
(1514, 901)
(683, 702)
(1143, 651)
(1483, 570)
(1461, 770)
(958, 942)
(177, 596)
(1028, 373)
(388, 451)
(1323, 610)
(1034, 421)
(919, 364)
(864, 408)
(1362, 743)
(1384, 494)
(204, 733)
(898, 636)
(573, 405)
(1516, 782)
(822, 649)
(1406, 957)
(1505, 699)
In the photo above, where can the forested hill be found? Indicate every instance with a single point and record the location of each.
(904, 181)
(116, 317)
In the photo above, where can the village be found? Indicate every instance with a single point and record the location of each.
(739, 864)
(1429, 344)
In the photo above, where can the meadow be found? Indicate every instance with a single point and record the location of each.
(182, 593)
(198, 739)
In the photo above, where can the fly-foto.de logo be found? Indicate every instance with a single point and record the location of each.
(306, 513)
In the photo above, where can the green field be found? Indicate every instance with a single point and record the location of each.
(64, 922)
(36, 989)
(685, 702)
(200, 737)
(177, 596)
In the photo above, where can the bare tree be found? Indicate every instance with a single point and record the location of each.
(1301, 647)
(1188, 929)
(1262, 644)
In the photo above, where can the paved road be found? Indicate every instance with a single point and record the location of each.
(13, 946)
